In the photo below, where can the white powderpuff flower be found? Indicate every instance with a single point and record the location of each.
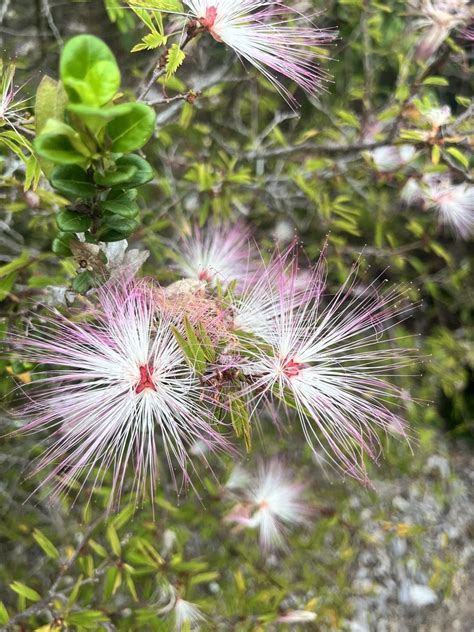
(117, 392)
(297, 616)
(330, 364)
(390, 158)
(215, 254)
(455, 205)
(239, 479)
(272, 502)
(259, 301)
(412, 193)
(187, 616)
(438, 116)
(437, 19)
(12, 108)
(275, 38)
(184, 614)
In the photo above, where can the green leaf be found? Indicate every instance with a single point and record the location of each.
(14, 265)
(174, 60)
(125, 515)
(98, 548)
(73, 595)
(6, 285)
(125, 225)
(143, 172)
(58, 149)
(25, 591)
(96, 117)
(122, 174)
(173, 6)
(131, 587)
(435, 81)
(113, 540)
(120, 202)
(61, 143)
(89, 71)
(113, 579)
(46, 544)
(88, 619)
(60, 245)
(50, 102)
(132, 129)
(108, 235)
(123, 205)
(239, 415)
(191, 347)
(72, 222)
(4, 616)
(459, 156)
(72, 180)
(33, 168)
(83, 282)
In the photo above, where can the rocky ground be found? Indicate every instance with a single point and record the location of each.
(421, 578)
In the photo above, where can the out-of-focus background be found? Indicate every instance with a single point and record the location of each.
(392, 558)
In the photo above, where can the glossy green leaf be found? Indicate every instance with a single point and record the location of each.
(60, 143)
(96, 117)
(132, 129)
(125, 225)
(123, 175)
(143, 171)
(89, 71)
(60, 245)
(73, 181)
(123, 204)
(72, 222)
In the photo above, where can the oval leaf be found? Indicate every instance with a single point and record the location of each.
(132, 129)
(89, 71)
(71, 222)
(73, 181)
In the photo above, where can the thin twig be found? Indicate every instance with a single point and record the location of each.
(49, 17)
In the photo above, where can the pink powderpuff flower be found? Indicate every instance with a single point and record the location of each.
(270, 35)
(216, 253)
(454, 203)
(111, 387)
(328, 363)
(271, 502)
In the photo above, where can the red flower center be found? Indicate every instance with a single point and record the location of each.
(291, 368)
(208, 21)
(204, 276)
(146, 379)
